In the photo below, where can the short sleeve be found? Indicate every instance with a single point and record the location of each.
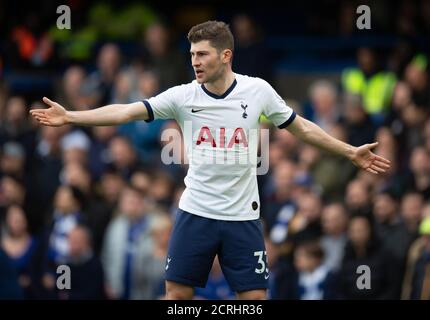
(275, 108)
(165, 104)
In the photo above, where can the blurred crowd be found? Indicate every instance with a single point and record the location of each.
(101, 201)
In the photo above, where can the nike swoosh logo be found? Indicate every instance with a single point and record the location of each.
(266, 277)
(196, 110)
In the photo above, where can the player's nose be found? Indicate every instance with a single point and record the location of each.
(195, 63)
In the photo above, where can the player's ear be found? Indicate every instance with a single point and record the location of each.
(227, 55)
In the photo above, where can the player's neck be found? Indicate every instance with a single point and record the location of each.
(221, 85)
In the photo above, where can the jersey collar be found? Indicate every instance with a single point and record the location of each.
(225, 94)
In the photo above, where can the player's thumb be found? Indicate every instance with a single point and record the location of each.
(372, 145)
(48, 102)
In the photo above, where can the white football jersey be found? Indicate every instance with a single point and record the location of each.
(221, 140)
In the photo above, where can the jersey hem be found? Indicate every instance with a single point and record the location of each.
(217, 217)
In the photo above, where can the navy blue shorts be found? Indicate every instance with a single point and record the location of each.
(196, 240)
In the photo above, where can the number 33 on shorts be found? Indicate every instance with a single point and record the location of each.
(262, 263)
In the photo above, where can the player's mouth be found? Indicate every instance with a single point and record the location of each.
(199, 73)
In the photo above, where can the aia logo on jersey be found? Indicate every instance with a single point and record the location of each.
(244, 106)
(238, 137)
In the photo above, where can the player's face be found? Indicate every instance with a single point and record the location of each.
(207, 62)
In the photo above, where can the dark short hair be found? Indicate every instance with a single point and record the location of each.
(218, 33)
(78, 195)
(311, 248)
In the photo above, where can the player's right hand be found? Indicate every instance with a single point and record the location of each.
(54, 116)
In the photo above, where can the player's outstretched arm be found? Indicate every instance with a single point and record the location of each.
(114, 114)
(362, 156)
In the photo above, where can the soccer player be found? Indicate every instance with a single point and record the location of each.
(219, 210)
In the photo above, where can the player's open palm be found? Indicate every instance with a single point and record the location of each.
(364, 158)
(54, 116)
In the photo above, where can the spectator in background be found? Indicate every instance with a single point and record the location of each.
(249, 48)
(279, 206)
(217, 287)
(87, 275)
(22, 249)
(148, 85)
(417, 77)
(29, 45)
(334, 222)
(326, 167)
(66, 215)
(392, 179)
(124, 157)
(9, 285)
(416, 283)
(358, 124)
(141, 180)
(97, 214)
(419, 178)
(388, 143)
(99, 157)
(12, 192)
(16, 126)
(13, 160)
(305, 225)
(46, 168)
(166, 61)
(98, 86)
(289, 143)
(412, 205)
(161, 191)
(363, 248)
(400, 56)
(308, 156)
(310, 279)
(402, 97)
(323, 97)
(110, 186)
(413, 118)
(154, 259)
(127, 239)
(75, 147)
(274, 263)
(357, 198)
(122, 88)
(424, 14)
(70, 92)
(145, 136)
(393, 234)
(371, 82)
(426, 135)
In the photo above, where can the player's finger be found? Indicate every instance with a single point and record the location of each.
(382, 164)
(371, 171)
(36, 113)
(376, 168)
(383, 160)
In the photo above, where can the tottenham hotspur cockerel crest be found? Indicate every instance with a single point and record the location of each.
(244, 106)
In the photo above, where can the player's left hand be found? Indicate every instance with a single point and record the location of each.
(367, 160)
